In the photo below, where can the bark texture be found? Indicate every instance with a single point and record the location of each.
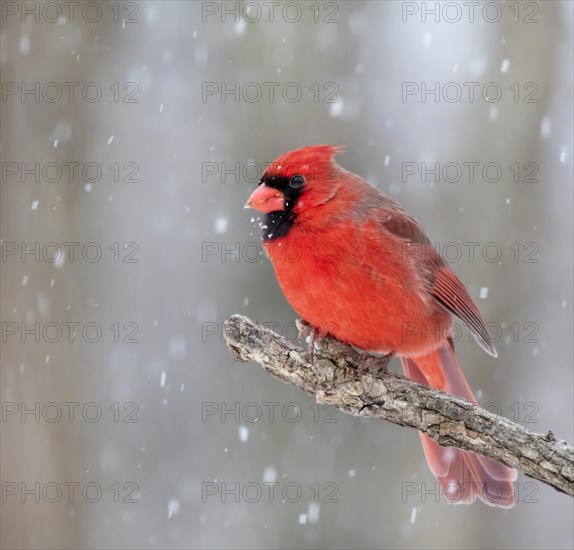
(337, 374)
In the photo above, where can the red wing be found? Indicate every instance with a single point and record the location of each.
(445, 287)
(396, 221)
(448, 291)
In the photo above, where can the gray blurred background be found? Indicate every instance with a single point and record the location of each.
(179, 255)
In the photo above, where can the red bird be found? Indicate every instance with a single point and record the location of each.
(355, 265)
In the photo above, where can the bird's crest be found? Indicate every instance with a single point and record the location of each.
(316, 161)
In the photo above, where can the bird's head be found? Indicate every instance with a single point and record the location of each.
(293, 183)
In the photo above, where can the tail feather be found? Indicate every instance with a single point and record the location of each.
(463, 476)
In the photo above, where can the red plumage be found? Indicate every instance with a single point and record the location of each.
(355, 265)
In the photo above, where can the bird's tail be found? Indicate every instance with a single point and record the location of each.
(463, 476)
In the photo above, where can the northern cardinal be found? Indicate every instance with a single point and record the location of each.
(355, 265)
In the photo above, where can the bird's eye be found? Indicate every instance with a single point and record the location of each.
(296, 181)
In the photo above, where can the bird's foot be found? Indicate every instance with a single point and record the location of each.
(309, 333)
(373, 364)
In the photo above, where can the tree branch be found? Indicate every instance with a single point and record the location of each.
(333, 378)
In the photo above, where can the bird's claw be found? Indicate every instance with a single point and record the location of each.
(307, 330)
(372, 364)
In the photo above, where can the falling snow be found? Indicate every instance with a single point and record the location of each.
(313, 512)
(545, 127)
(220, 225)
(178, 347)
(24, 44)
(171, 213)
(172, 507)
(269, 475)
(243, 434)
(240, 26)
(336, 109)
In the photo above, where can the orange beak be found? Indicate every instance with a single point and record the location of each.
(266, 199)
